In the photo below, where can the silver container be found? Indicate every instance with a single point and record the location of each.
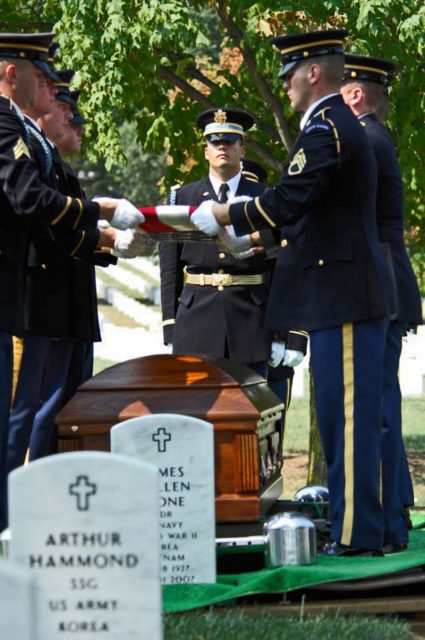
(290, 539)
(312, 493)
(5, 538)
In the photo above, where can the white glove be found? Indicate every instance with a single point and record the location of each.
(235, 199)
(103, 224)
(129, 244)
(292, 358)
(277, 353)
(243, 255)
(126, 215)
(229, 241)
(204, 219)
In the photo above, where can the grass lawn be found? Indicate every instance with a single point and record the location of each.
(236, 625)
(297, 435)
(297, 424)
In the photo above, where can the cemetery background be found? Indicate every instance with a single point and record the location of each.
(130, 317)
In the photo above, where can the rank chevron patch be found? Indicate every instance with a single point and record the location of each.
(297, 163)
(20, 149)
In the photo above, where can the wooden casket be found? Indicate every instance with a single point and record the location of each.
(244, 411)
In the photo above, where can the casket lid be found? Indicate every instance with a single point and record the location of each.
(172, 372)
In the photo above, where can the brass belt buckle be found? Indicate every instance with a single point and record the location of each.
(221, 279)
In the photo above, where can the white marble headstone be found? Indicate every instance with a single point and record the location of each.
(17, 607)
(183, 450)
(87, 526)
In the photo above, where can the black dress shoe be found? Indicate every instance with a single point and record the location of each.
(341, 550)
(394, 547)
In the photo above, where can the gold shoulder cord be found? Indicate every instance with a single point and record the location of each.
(334, 131)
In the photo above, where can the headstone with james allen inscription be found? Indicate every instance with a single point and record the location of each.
(182, 448)
(17, 602)
(92, 541)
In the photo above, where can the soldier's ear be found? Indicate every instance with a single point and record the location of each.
(11, 73)
(314, 73)
(356, 96)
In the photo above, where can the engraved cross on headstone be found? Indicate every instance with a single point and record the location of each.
(82, 489)
(161, 437)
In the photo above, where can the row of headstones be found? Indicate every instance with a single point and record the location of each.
(93, 535)
(131, 307)
(138, 282)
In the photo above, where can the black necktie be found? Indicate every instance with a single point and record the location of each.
(222, 193)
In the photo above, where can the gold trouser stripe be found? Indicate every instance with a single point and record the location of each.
(348, 371)
(83, 235)
(18, 349)
(64, 210)
(263, 213)
(80, 205)
(288, 393)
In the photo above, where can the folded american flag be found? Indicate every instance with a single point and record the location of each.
(171, 223)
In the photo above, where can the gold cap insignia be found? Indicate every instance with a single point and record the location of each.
(220, 116)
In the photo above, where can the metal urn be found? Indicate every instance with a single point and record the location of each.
(290, 539)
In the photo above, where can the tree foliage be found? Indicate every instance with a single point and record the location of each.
(158, 63)
(139, 177)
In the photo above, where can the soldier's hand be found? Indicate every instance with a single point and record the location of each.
(292, 358)
(229, 241)
(129, 244)
(120, 212)
(277, 353)
(204, 219)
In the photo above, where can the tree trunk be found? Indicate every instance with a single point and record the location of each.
(317, 469)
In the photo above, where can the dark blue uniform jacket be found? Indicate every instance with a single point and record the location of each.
(330, 269)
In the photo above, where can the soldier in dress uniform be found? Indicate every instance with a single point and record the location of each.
(279, 375)
(366, 81)
(331, 278)
(27, 201)
(61, 303)
(213, 302)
